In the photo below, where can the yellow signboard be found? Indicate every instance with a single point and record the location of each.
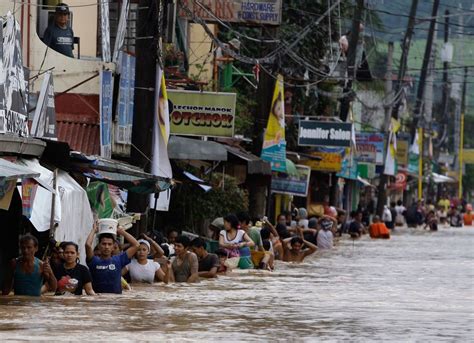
(330, 162)
(402, 152)
(468, 156)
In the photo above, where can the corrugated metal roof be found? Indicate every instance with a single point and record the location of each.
(82, 133)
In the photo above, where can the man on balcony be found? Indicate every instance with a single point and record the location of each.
(59, 35)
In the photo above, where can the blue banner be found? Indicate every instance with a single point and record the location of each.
(106, 96)
(126, 97)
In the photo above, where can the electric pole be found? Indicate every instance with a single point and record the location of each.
(144, 100)
(424, 70)
(406, 44)
(351, 59)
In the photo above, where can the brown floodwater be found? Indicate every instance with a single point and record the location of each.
(418, 286)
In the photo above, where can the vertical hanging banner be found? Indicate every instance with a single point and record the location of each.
(126, 96)
(105, 30)
(161, 132)
(6, 193)
(390, 161)
(28, 192)
(121, 30)
(44, 122)
(13, 115)
(274, 143)
(106, 96)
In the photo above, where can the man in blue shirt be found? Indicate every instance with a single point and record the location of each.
(58, 35)
(106, 269)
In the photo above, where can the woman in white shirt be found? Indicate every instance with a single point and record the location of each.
(142, 269)
(232, 238)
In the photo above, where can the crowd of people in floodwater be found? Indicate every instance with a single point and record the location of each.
(114, 265)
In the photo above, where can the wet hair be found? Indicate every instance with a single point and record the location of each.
(184, 240)
(392, 204)
(295, 240)
(29, 238)
(266, 244)
(233, 220)
(66, 244)
(265, 233)
(221, 253)
(198, 243)
(312, 223)
(243, 217)
(107, 235)
(282, 231)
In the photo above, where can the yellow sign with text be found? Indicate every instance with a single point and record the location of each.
(324, 161)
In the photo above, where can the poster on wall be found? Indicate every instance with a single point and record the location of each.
(13, 85)
(208, 114)
(297, 185)
(126, 98)
(106, 98)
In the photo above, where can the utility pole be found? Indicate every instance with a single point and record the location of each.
(422, 82)
(145, 76)
(351, 59)
(406, 44)
(443, 119)
(259, 195)
(425, 68)
(461, 143)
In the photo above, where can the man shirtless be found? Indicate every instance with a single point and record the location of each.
(293, 248)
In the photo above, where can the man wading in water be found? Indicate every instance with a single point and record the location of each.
(106, 270)
(26, 273)
(293, 248)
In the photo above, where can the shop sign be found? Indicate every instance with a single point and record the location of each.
(370, 147)
(324, 161)
(297, 185)
(316, 133)
(202, 113)
(403, 146)
(259, 12)
(468, 156)
(400, 182)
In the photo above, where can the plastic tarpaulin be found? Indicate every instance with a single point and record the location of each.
(76, 214)
(41, 209)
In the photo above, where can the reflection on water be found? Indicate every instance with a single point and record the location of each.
(416, 286)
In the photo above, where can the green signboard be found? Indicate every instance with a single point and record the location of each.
(202, 113)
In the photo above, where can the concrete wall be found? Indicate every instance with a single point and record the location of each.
(200, 57)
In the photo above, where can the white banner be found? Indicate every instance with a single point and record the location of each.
(105, 30)
(121, 30)
(161, 131)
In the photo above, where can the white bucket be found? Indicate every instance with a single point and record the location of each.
(107, 225)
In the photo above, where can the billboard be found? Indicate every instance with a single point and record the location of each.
(258, 12)
(370, 147)
(106, 99)
(317, 133)
(194, 113)
(292, 184)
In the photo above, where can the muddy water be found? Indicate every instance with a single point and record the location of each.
(419, 286)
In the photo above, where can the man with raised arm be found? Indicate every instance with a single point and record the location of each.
(293, 248)
(106, 269)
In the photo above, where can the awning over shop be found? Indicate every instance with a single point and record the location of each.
(255, 165)
(11, 171)
(180, 148)
(364, 182)
(438, 178)
(120, 174)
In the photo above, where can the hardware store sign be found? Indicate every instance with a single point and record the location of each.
(257, 12)
(316, 133)
(202, 113)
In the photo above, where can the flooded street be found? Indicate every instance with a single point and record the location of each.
(418, 286)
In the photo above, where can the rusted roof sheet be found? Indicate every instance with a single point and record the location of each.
(82, 133)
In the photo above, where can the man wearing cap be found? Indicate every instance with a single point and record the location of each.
(325, 238)
(58, 35)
